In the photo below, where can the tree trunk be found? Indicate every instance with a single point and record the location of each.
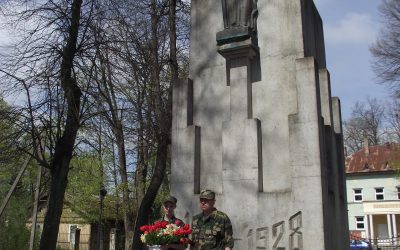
(172, 45)
(151, 193)
(65, 144)
(162, 113)
(142, 157)
(126, 210)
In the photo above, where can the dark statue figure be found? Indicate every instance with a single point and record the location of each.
(240, 20)
(237, 13)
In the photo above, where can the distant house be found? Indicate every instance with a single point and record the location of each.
(70, 222)
(373, 193)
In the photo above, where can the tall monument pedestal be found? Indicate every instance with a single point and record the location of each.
(257, 124)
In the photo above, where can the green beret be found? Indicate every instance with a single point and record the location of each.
(171, 199)
(207, 194)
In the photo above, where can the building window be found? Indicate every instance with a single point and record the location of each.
(71, 235)
(360, 223)
(358, 196)
(379, 194)
(398, 193)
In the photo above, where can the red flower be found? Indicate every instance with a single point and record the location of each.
(144, 228)
(160, 225)
(152, 228)
(178, 232)
(152, 233)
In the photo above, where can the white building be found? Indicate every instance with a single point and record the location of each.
(373, 193)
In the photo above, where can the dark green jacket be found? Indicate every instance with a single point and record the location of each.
(213, 232)
(173, 220)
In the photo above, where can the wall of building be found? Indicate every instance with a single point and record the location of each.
(368, 182)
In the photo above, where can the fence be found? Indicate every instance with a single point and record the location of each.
(382, 243)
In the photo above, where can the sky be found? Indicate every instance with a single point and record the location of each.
(350, 28)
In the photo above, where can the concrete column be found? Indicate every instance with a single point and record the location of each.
(241, 144)
(240, 82)
(241, 175)
(371, 225)
(394, 225)
(337, 115)
(389, 222)
(182, 104)
(185, 150)
(325, 92)
(367, 226)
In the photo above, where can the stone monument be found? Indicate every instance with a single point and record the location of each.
(256, 123)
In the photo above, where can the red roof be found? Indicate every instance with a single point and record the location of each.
(378, 158)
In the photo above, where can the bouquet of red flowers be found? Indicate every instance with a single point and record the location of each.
(164, 233)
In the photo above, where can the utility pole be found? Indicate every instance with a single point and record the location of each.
(103, 193)
(11, 191)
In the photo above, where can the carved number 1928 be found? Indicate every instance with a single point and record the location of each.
(278, 232)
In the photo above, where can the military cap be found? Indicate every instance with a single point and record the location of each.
(207, 194)
(171, 199)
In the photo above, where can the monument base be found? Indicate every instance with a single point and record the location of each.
(245, 48)
(234, 34)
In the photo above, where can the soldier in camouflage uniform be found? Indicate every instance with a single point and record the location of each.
(169, 205)
(212, 229)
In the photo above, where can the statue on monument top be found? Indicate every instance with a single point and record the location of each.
(240, 21)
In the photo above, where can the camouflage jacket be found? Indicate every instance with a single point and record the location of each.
(212, 232)
(173, 220)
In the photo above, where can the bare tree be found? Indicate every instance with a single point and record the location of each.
(113, 110)
(365, 122)
(135, 66)
(90, 61)
(65, 144)
(393, 120)
(45, 67)
(386, 50)
(161, 106)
